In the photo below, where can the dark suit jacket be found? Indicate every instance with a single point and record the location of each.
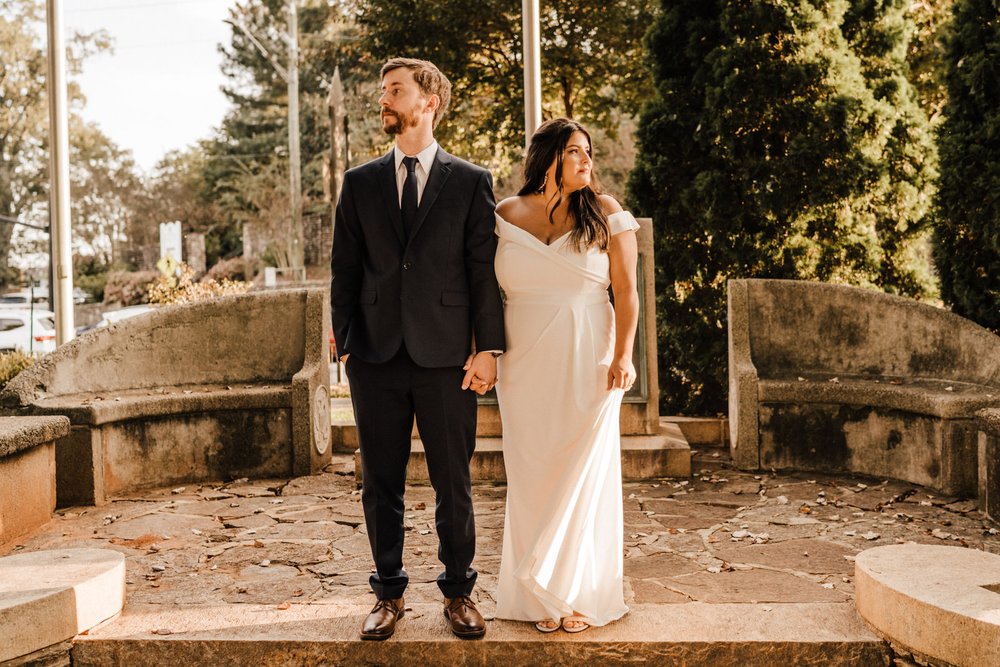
(432, 292)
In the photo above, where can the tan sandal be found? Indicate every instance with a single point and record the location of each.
(541, 627)
(581, 620)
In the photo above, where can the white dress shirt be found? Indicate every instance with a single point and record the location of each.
(425, 159)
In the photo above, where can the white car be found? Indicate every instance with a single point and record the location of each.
(23, 300)
(19, 332)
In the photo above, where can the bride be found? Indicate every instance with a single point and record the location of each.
(561, 381)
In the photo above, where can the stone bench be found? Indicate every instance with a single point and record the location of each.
(233, 387)
(835, 378)
(988, 421)
(27, 472)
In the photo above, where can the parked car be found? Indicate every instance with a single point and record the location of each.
(110, 317)
(23, 299)
(19, 332)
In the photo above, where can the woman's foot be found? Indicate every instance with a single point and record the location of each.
(548, 625)
(575, 623)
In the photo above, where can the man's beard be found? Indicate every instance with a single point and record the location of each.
(402, 120)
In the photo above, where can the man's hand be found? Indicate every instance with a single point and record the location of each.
(343, 358)
(480, 372)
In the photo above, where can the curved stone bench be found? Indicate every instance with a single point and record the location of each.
(940, 602)
(27, 472)
(988, 421)
(233, 387)
(835, 378)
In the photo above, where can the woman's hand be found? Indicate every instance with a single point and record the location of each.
(621, 374)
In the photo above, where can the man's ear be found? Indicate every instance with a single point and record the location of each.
(433, 102)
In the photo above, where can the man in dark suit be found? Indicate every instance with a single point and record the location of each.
(413, 295)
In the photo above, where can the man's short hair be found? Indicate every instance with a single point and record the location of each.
(430, 79)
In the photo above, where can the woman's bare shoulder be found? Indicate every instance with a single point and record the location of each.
(609, 204)
(511, 207)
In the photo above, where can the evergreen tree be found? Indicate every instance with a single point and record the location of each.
(968, 207)
(784, 142)
(246, 164)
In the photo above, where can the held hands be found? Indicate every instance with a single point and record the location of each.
(480, 372)
(621, 374)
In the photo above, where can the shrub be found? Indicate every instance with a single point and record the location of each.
(93, 285)
(227, 269)
(179, 287)
(12, 363)
(129, 288)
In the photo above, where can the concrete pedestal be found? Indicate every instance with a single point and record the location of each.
(47, 597)
(940, 602)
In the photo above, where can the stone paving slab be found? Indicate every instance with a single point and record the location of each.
(720, 537)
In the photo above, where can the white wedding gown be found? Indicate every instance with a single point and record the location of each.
(562, 545)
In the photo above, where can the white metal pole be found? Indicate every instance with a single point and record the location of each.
(294, 154)
(59, 200)
(532, 69)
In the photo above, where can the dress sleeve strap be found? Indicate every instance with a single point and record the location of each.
(622, 221)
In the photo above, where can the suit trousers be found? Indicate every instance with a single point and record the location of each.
(386, 398)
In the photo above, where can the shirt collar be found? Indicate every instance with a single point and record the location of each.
(425, 157)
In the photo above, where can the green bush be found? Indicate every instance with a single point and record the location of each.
(784, 142)
(967, 229)
(12, 363)
(93, 285)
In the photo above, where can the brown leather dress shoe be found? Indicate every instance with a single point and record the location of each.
(466, 621)
(381, 622)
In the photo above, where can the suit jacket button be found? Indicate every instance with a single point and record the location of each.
(406, 266)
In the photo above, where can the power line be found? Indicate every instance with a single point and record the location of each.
(15, 221)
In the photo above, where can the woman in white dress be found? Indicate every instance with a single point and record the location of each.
(560, 385)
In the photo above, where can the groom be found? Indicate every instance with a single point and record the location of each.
(413, 295)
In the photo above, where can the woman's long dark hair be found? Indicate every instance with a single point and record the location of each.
(590, 224)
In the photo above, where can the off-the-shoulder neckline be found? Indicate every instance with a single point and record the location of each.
(554, 241)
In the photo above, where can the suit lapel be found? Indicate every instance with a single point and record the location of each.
(390, 196)
(436, 180)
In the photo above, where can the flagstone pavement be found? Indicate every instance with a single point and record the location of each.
(722, 536)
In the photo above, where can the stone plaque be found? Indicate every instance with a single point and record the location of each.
(321, 419)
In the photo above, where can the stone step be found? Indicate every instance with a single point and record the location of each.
(47, 597)
(694, 634)
(697, 431)
(665, 454)
(701, 431)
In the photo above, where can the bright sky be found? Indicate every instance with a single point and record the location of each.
(159, 90)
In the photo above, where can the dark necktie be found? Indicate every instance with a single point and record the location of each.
(408, 206)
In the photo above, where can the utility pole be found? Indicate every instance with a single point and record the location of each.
(530, 36)
(297, 254)
(59, 201)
